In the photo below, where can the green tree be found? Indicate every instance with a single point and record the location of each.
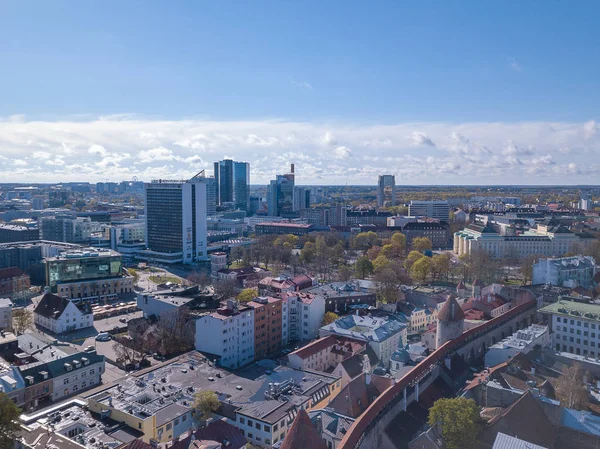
(399, 240)
(247, 295)
(421, 244)
(9, 422)
(365, 240)
(440, 265)
(380, 263)
(363, 267)
(412, 257)
(420, 269)
(328, 318)
(206, 403)
(457, 420)
(307, 254)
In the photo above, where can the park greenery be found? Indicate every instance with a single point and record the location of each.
(9, 422)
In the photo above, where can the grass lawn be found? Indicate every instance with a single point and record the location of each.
(164, 278)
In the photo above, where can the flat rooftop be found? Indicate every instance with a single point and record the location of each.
(85, 253)
(573, 309)
(521, 338)
(169, 390)
(92, 430)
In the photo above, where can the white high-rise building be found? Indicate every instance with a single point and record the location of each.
(176, 221)
(440, 210)
(386, 190)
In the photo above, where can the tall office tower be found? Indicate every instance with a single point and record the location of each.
(233, 183)
(585, 200)
(241, 185)
(439, 210)
(176, 220)
(386, 190)
(301, 198)
(280, 195)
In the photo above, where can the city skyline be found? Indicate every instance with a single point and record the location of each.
(444, 93)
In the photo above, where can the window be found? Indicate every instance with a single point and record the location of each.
(169, 426)
(267, 428)
(250, 422)
(257, 425)
(250, 436)
(242, 420)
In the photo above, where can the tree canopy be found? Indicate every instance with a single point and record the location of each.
(363, 267)
(457, 420)
(329, 318)
(247, 295)
(570, 388)
(206, 403)
(421, 244)
(9, 421)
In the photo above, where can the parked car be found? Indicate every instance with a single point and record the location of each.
(103, 336)
(123, 320)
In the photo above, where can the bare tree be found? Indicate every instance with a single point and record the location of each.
(199, 278)
(22, 319)
(175, 329)
(570, 388)
(225, 289)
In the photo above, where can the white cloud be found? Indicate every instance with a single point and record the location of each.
(342, 152)
(303, 84)
(514, 64)
(120, 147)
(420, 139)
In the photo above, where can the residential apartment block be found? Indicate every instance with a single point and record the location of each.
(228, 334)
(571, 272)
(268, 326)
(13, 282)
(6, 307)
(382, 331)
(439, 210)
(574, 326)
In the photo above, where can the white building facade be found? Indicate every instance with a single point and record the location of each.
(439, 210)
(227, 334)
(571, 272)
(6, 307)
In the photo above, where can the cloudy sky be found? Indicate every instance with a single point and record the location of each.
(452, 92)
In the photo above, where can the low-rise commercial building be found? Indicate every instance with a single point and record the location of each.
(439, 210)
(283, 228)
(339, 296)
(159, 403)
(88, 274)
(14, 233)
(523, 341)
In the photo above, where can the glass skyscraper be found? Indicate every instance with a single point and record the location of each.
(232, 183)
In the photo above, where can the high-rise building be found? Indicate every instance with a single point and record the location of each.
(280, 195)
(386, 190)
(176, 220)
(232, 183)
(585, 200)
(439, 210)
(301, 198)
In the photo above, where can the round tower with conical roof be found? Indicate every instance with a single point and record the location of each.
(451, 322)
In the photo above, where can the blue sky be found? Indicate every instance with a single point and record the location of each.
(302, 69)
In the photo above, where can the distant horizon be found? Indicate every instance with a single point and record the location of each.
(475, 93)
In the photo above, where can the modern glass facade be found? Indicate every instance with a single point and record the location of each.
(66, 269)
(233, 183)
(241, 185)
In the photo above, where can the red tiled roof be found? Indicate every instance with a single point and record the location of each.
(218, 431)
(303, 434)
(323, 343)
